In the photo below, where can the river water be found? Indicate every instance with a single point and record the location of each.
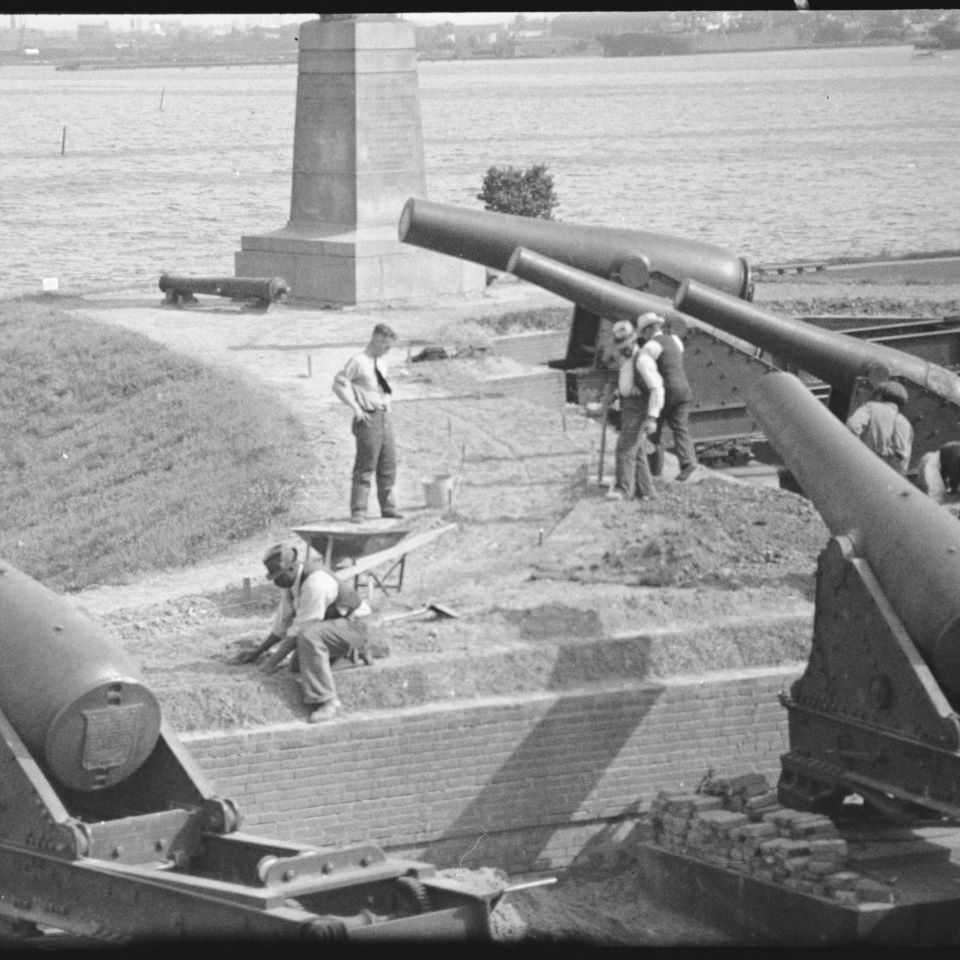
(111, 177)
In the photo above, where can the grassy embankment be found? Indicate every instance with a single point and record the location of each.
(119, 457)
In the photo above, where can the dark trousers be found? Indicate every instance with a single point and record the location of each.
(376, 457)
(677, 417)
(632, 476)
(321, 643)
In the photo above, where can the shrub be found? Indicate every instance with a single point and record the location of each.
(526, 193)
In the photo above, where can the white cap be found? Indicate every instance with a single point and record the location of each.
(622, 331)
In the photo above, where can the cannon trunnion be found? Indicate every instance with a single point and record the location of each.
(875, 711)
(109, 831)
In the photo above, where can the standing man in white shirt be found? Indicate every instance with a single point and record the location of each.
(640, 387)
(362, 385)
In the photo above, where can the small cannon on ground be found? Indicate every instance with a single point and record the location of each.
(850, 366)
(262, 291)
(109, 831)
(875, 713)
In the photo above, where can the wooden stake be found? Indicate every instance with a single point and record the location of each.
(63, 142)
(246, 589)
(162, 92)
(309, 365)
(607, 399)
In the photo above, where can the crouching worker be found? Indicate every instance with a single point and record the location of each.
(324, 619)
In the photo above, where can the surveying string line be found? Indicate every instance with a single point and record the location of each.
(474, 847)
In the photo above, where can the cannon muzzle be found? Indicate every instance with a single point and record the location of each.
(640, 259)
(911, 544)
(833, 357)
(72, 696)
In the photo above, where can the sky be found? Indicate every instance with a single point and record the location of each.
(121, 21)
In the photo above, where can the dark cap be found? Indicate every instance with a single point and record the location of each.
(891, 390)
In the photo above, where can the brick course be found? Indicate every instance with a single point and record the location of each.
(522, 783)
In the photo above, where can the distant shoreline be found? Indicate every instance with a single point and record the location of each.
(72, 66)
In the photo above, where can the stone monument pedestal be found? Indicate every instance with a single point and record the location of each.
(357, 158)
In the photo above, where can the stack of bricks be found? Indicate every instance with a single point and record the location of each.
(737, 824)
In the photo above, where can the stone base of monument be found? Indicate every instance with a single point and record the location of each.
(365, 265)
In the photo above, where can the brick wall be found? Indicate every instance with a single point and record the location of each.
(521, 783)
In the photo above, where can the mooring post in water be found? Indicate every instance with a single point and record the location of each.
(63, 142)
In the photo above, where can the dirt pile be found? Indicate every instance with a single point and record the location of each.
(711, 533)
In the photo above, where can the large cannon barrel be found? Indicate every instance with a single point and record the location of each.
(70, 694)
(834, 357)
(602, 297)
(911, 544)
(641, 259)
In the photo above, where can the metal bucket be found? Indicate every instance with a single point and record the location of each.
(438, 492)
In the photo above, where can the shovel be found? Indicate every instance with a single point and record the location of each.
(438, 609)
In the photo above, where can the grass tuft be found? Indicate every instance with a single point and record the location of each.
(118, 456)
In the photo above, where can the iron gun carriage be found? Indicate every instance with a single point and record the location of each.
(851, 367)
(875, 712)
(110, 832)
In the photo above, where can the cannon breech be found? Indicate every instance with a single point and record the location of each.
(110, 832)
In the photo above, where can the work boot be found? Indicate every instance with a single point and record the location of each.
(391, 515)
(615, 494)
(357, 518)
(326, 711)
(686, 472)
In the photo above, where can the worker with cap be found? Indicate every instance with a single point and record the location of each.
(666, 348)
(938, 473)
(640, 388)
(881, 425)
(323, 618)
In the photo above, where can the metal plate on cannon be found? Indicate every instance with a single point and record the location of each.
(103, 736)
(110, 736)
